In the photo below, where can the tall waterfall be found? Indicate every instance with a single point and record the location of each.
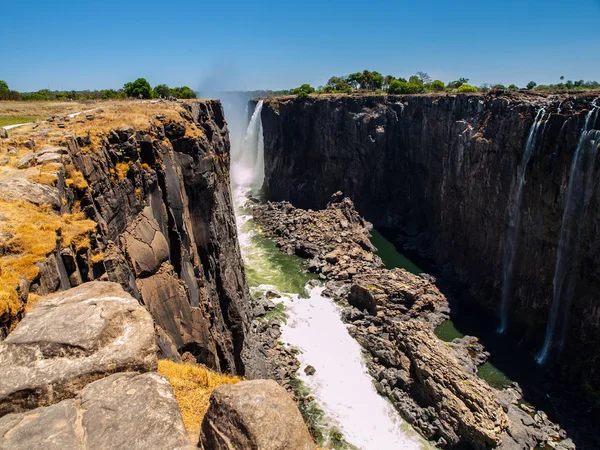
(247, 168)
(577, 199)
(512, 235)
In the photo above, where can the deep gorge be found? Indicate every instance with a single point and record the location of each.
(443, 172)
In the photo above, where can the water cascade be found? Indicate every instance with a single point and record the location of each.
(577, 199)
(512, 236)
(247, 167)
(341, 385)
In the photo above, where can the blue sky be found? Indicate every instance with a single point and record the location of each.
(284, 43)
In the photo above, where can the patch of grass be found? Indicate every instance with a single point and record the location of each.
(44, 178)
(192, 386)
(97, 257)
(75, 178)
(13, 120)
(122, 169)
(28, 234)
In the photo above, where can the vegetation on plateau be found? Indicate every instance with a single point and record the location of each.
(374, 82)
(139, 88)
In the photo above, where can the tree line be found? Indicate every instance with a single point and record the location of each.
(139, 88)
(421, 82)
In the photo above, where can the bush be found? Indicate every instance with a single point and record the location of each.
(304, 90)
(138, 88)
(513, 87)
(403, 87)
(531, 85)
(464, 88)
(438, 86)
(162, 90)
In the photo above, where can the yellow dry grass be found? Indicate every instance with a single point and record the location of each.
(43, 110)
(44, 178)
(192, 386)
(28, 233)
(75, 178)
(122, 169)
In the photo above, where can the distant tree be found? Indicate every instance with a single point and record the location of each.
(562, 78)
(437, 86)
(162, 90)
(138, 88)
(457, 83)
(182, 92)
(403, 87)
(531, 85)
(338, 84)
(109, 94)
(4, 90)
(569, 84)
(367, 80)
(499, 86)
(464, 88)
(424, 77)
(415, 79)
(513, 87)
(387, 80)
(304, 91)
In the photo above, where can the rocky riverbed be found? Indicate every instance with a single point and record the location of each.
(392, 314)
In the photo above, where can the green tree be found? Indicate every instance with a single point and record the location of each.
(531, 85)
(513, 87)
(162, 90)
(338, 84)
(402, 87)
(415, 80)
(4, 90)
(424, 77)
(138, 88)
(457, 83)
(304, 90)
(467, 88)
(437, 86)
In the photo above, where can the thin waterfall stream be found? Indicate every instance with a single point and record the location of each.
(341, 385)
(576, 201)
(512, 235)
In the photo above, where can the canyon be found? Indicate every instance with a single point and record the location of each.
(195, 219)
(449, 174)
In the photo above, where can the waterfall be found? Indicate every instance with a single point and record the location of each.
(247, 169)
(577, 198)
(512, 235)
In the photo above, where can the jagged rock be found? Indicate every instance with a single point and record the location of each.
(45, 155)
(363, 299)
(256, 414)
(3, 133)
(472, 413)
(22, 189)
(310, 370)
(70, 339)
(122, 411)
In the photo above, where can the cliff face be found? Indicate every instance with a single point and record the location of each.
(159, 193)
(444, 171)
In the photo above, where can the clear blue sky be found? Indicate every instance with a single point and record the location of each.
(222, 44)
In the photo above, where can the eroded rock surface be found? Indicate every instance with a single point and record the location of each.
(70, 339)
(121, 411)
(249, 415)
(433, 384)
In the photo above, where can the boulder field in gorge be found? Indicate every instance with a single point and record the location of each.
(442, 171)
(392, 314)
(154, 177)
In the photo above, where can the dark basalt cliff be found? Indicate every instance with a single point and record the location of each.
(443, 171)
(166, 228)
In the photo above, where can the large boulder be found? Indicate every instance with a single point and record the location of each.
(122, 411)
(70, 339)
(253, 415)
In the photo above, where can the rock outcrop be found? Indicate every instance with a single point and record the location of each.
(392, 313)
(257, 414)
(69, 376)
(442, 169)
(71, 339)
(155, 179)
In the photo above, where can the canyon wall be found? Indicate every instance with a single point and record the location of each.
(443, 169)
(159, 193)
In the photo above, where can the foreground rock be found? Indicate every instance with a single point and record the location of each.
(70, 339)
(122, 411)
(253, 415)
(393, 313)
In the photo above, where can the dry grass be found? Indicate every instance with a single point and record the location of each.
(44, 178)
(192, 386)
(97, 257)
(75, 178)
(29, 233)
(42, 110)
(122, 169)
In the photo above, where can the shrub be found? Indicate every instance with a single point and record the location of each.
(513, 87)
(467, 88)
(437, 85)
(531, 85)
(162, 90)
(138, 88)
(403, 87)
(304, 90)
